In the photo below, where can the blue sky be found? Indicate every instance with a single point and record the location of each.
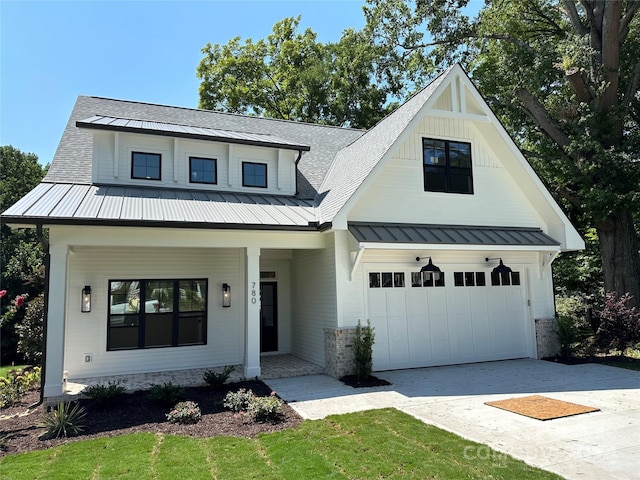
(53, 51)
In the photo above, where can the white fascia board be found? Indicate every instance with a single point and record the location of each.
(196, 238)
(453, 246)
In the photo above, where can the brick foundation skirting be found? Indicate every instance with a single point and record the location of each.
(547, 340)
(338, 349)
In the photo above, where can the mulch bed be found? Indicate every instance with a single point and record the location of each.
(541, 408)
(136, 412)
(371, 381)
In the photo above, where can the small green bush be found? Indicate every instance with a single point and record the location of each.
(63, 421)
(185, 413)
(167, 393)
(265, 409)
(105, 394)
(215, 379)
(363, 350)
(238, 401)
(17, 383)
(568, 335)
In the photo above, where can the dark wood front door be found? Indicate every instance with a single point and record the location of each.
(269, 317)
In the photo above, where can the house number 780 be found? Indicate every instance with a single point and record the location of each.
(254, 298)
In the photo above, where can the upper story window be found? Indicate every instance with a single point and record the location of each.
(146, 166)
(447, 166)
(203, 170)
(254, 174)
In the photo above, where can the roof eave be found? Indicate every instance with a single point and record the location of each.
(192, 136)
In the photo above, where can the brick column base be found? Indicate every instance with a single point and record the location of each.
(338, 351)
(547, 340)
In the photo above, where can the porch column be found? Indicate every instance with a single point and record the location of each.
(252, 337)
(56, 320)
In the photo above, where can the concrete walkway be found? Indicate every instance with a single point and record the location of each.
(599, 445)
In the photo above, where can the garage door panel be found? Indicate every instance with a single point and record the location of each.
(482, 334)
(430, 325)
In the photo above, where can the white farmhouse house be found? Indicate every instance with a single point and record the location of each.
(183, 238)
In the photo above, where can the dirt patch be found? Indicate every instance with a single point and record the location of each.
(541, 408)
(136, 412)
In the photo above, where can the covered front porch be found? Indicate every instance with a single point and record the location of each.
(272, 366)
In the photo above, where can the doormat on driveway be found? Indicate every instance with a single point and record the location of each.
(541, 408)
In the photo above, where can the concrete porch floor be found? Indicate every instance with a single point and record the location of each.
(273, 366)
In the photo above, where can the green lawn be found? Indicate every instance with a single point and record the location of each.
(375, 444)
(7, 369)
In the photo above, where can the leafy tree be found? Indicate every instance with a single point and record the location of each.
(290, 75)
(563, 76)
(20, 250)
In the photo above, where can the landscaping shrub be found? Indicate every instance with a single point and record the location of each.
(167, 393)
(568, 335)
(17, 383)
(215, 379)
(105, 394)
(63, 421)
(265, 409)
(363, 350)
(619, 323)
(185, 413)
(238, 401)
(30, 330)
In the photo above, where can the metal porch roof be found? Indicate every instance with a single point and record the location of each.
(57, 203)
(449, 234)
(101, 122)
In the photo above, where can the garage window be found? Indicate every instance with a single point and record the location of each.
(386, 280)
(426, 279)
(503, 279)
(469, 279)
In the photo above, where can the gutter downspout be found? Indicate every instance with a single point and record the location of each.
(296, 164)
(45, 320)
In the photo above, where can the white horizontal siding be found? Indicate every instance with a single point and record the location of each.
(87, 332)
(313, 300)
(397, 192)
(175, 163)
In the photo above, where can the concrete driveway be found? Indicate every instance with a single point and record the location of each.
(599, 445)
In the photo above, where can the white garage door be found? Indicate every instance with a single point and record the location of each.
(462, 318)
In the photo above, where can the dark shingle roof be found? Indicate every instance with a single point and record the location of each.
(72, 161)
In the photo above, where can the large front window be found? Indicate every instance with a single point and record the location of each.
(447, 166)
(156, 313)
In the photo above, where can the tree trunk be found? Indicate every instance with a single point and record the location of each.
(620, 257)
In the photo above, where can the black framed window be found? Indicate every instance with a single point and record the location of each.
(505, 278)
(254, 174)
(146, 166)
(447, 166)
(203, 170)
(156, 313)
(427, 279)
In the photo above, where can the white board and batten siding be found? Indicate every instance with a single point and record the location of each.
(110, 168)
(396, 194)
(86, 333)
(426, 326)
(314, 300)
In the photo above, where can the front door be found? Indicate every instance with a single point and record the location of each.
(269, 317)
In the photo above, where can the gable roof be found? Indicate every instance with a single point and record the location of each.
(354, 163)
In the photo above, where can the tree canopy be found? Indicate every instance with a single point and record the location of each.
(20, 250)
(563, 76)
(290, 75)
